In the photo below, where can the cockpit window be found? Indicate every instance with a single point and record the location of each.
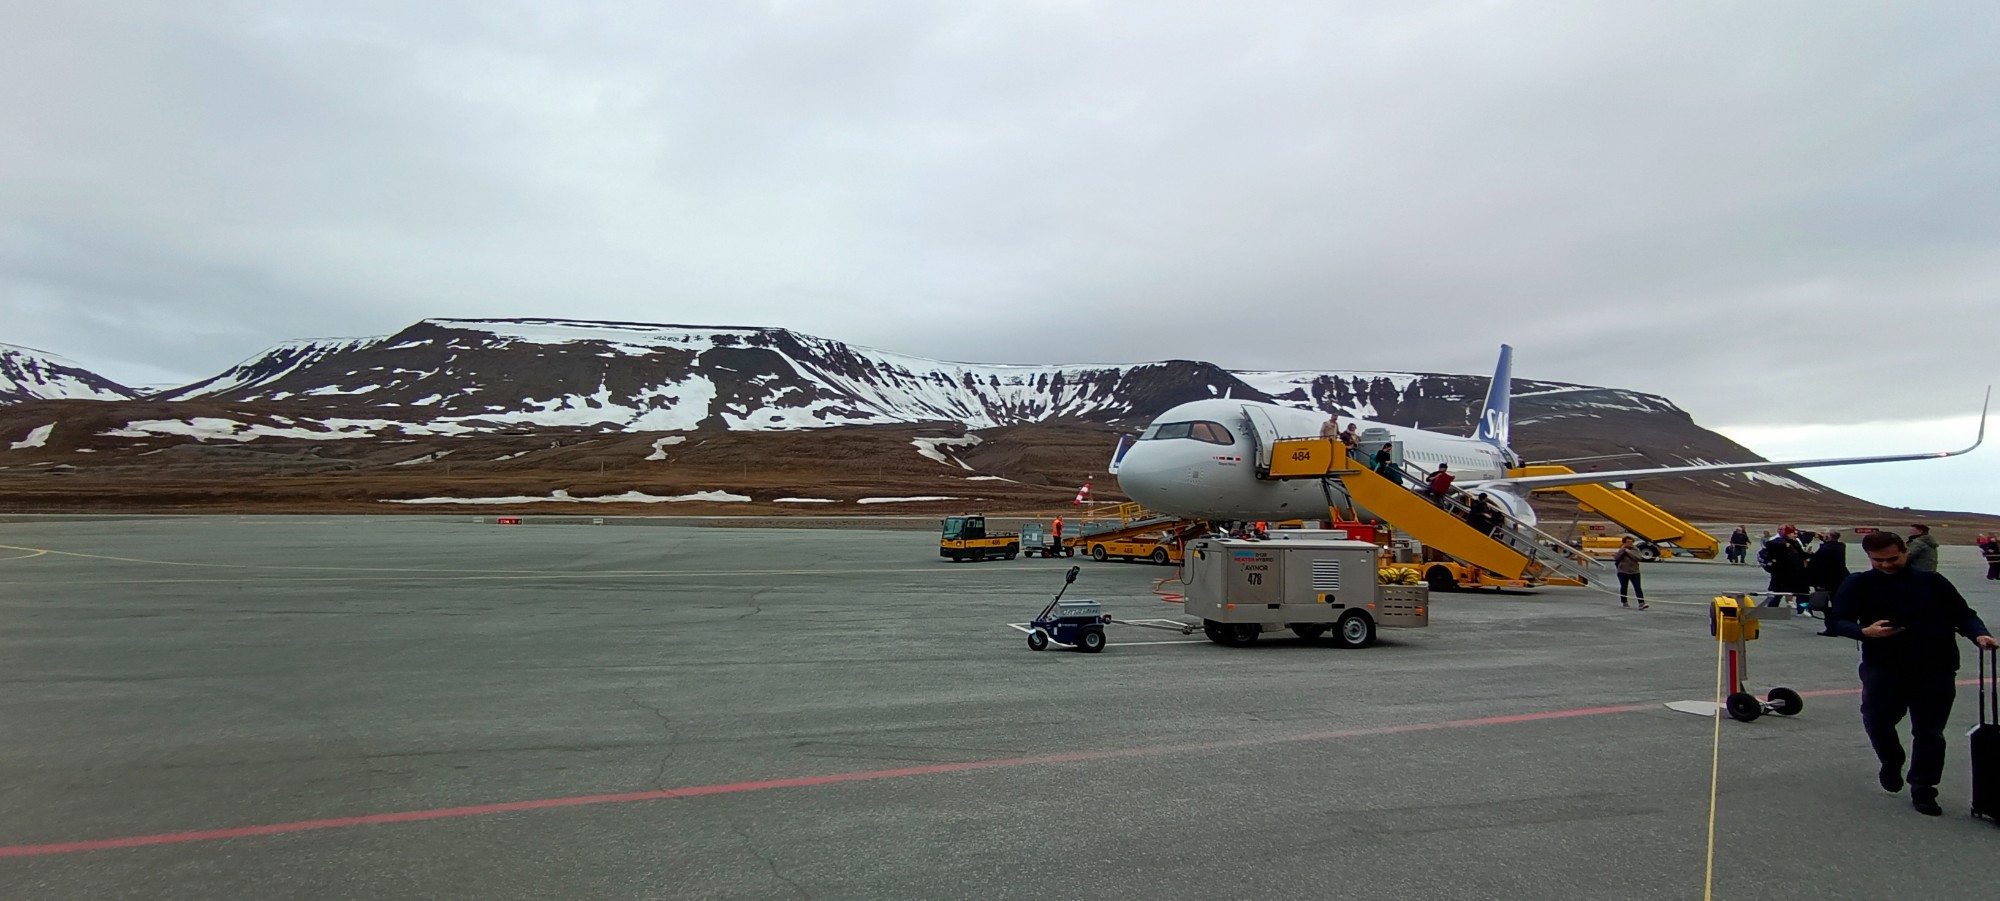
(1211, 432)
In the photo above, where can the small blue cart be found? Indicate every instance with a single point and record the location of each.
(1079, 624)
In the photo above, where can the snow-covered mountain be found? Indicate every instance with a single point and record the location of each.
(29, 374)
(455, 375)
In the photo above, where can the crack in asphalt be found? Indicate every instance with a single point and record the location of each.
(667, 726)
(769, 864)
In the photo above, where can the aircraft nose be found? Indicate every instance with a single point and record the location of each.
(1144, 475)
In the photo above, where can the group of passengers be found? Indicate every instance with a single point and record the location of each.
(1807, 577)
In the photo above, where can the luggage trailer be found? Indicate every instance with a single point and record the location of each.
(1311, 585)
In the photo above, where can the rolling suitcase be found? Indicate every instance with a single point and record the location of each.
(1986, 740)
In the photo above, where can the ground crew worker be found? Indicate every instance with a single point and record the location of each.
(1057, 530)
(1923, 549)
(1909, 662)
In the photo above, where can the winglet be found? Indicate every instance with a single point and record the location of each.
(1981, 437)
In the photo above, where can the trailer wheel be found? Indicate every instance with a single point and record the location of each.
(1309, 631)
(1354, 630)
(1245, 633)
(1097, 553)
(1440, 581)
(1787, 702)
(1037, 640)
(1090, 641)
(1214, 631)
(1743, 706)
(1160, 556)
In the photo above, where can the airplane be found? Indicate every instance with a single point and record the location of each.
(1199, 460)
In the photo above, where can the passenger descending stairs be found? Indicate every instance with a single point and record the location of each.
(1515, 552)
(1632, 512)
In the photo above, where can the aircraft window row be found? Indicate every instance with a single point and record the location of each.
(1211, 432)
(1453, 459)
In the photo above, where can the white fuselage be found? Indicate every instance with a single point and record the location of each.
(1200, 477)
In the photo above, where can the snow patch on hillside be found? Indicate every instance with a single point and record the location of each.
(36, 438)
(1780, 481)
(660, 446)
(929, 448)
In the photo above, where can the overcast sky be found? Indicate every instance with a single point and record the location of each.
(1751, 208)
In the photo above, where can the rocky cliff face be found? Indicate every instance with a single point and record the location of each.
(453, 375)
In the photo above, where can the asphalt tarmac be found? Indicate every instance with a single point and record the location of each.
(342, 707)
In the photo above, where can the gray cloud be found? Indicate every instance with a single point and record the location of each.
(1734, 206)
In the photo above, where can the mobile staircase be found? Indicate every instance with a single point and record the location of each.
(1514, 553)
(1632, 513)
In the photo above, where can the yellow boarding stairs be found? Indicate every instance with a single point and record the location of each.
(1632, 513)
(1515, 552)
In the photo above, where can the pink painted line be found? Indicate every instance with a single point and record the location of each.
(408, 816)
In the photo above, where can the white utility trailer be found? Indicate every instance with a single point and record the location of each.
(1241, 588)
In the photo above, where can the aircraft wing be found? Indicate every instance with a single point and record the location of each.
(1529, 483)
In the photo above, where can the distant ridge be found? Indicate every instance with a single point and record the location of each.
(28, 374)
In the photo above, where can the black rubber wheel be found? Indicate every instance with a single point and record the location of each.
(1743, 706)
(1786, 702)
(1160, 556)
(1215, 632)
(1354, 630)
(1097, 553)
(1090, 641)
(1649, 552)
(1037, 640)
(1011, 555)
(1244, 633)
(1309, 631)
(1439, 579)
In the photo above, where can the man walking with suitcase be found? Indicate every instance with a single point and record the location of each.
(1904, 619)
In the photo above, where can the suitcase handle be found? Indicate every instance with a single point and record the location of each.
(1989, 705)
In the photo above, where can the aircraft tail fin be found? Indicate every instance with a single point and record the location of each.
(1494, 420)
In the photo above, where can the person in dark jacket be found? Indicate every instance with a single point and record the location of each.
(1626, 562)
(1739, 546)
(1788, 567)
(1825, 571)
(1989, 547)
(1904, 619)
(1923, 549)
(1385, 463)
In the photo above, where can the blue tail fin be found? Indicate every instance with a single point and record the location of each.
(1494, 421)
